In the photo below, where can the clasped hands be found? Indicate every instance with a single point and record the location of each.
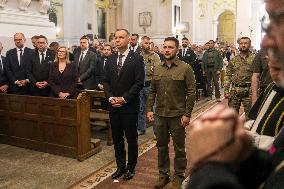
(218, 136)
(21, 83)
(63, 95)
(41, 84)
(117, 102)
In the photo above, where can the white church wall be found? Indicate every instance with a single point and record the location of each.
(77, 15)
(187, 15)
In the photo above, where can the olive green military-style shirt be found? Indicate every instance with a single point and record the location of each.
(151, 60)
(239, 71)
(260, 65)
(174, 90)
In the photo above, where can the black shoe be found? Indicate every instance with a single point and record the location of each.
(118, 173)
(128, 175)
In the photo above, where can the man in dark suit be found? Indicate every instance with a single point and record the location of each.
(17, 61)
(3, 77)
(38, 70)
(134, 46)
(123, 80)
(99, 71)
(186, 54)
(86, 63)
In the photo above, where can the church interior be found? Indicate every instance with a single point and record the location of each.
(50, 143)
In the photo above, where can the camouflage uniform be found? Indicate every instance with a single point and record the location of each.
(239, 75)
(151, 60)
(173, 88)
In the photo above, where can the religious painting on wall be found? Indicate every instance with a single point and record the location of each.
(176, 15)
(202, 8)
(55, 14)
(101, 17)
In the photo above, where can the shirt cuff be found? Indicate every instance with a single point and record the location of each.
(123, 100)
(110, 98)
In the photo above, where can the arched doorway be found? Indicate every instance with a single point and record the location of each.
(226, 27)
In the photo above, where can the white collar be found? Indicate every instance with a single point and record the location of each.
(125, 52)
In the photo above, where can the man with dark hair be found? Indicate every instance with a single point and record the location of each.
(53, 46)
(173, 111)
(212, 64)
(34, 41)
(17, 62)
(238, 76)
(123, 80)
(3, 78)
(38, 70)
(134, 46)
(107, 51)
(186, 54)
(86, 64)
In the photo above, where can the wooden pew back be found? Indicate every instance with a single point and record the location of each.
(57, 126)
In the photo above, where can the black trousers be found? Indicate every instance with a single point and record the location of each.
(125, 125)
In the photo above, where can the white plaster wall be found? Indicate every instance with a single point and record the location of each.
(76, 15)
(187, 16)
(244, 17)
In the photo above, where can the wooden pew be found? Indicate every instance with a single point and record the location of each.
(98, 113)
(52, 125)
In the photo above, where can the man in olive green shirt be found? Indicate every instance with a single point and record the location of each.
(238, 77)
(173, 88)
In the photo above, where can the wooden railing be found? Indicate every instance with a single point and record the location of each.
(52, 125)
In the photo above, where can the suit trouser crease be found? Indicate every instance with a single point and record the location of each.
(167, 127)
(125, 125)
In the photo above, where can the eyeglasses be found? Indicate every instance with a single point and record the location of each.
(273, 18)
(61, 51)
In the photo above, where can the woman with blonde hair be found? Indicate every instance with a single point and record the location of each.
(63, 75)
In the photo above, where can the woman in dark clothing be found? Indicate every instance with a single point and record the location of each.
(63, 76)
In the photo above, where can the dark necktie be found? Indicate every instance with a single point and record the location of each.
(21, 57)
(81, 58)
(184, 51)
(119, 64)
(42, 58)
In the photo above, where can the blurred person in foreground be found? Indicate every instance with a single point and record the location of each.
(222, 155)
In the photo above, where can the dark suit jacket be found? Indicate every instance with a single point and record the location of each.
(86, 69)
(99, 71)
(3, 76)
(189, 58)
(63, 82)
(129, 82)
(16, 72)
(38, 72)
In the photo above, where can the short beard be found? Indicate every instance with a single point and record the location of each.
(244, 50)
(170, 58)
